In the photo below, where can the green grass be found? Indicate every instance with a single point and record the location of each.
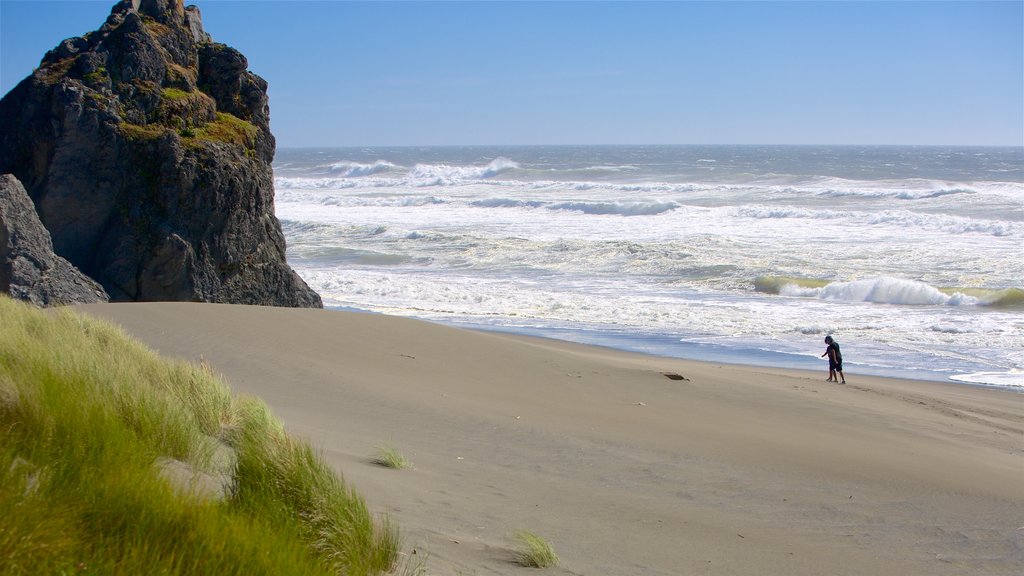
(534, 551)
(85, 416)
(389, 457)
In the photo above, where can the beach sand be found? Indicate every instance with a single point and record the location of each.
(730, 470)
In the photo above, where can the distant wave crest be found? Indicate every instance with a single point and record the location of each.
(908, 189)
(506, 203)
(612, 169)
(441, 174)
(617, 208)
(356, 170)
(767, 212)
(902, 218)
(954, 224)
(637, 208)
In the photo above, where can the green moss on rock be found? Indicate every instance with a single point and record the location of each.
(176, 94)
(180, 77)
(97, 77)
(53, 73)
(156, 28)
(228, 129)
(182, 109)
(140, 132)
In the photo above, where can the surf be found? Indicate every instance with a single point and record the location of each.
(638, 241)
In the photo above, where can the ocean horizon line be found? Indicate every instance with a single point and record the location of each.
(643, 145)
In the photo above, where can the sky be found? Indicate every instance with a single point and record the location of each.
(507, 73)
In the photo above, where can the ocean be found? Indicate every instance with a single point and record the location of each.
(911, 257)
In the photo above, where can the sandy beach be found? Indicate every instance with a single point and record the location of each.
(728, 470)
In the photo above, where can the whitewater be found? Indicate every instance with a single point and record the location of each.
(911, 257)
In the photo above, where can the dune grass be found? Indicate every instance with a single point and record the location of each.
(534, 551)
(85, 416)
(389, 457)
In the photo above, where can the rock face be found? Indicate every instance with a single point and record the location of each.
(146, 149)
(29, 270)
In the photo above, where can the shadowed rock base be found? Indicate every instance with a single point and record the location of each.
(29, 270)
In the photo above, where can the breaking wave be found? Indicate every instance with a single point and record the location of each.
(883, 290)
(888, 290)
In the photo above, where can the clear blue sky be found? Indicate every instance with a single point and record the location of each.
(422, 73)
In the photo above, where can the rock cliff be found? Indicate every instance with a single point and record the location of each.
(29, 270)
(146, 149)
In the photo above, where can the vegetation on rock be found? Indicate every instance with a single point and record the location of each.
(229, 129)
(140, 132)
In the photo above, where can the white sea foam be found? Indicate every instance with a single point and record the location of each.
(1009, 379)
(305, 183)
(598, 302)
(909, 190)
(302, 197)
(900, 218)
(952, 224)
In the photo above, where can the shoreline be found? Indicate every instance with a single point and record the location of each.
(667, 346)
(728, 470)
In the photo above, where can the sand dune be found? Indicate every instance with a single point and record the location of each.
(731, 470)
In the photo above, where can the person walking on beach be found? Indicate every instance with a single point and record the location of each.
(835, 361)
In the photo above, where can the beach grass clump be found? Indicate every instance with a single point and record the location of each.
(389, 457)
(286, 477)
(86, 417)
(533, 551)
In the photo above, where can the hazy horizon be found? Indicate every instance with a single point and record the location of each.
(345, 74)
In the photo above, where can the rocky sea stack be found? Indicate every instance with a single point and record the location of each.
(146, 149)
